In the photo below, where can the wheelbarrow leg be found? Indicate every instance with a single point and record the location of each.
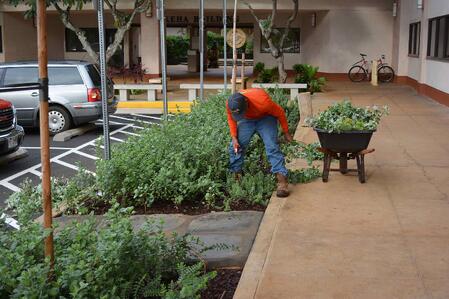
(344, 163)
(361, 167)
(326, 166)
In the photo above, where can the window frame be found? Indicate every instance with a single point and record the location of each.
(438, 28)
(108, 33)
(414, 39)
(262, 39)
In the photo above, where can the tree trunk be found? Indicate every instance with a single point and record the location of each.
(281, 68)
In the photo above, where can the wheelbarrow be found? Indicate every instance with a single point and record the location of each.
(344, 146)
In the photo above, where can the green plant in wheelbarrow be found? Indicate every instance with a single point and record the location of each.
(344, 132)
(308, 74)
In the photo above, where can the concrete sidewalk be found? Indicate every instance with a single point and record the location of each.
(388, 238)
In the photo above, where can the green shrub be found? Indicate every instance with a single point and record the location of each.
(343, 116)
(265, 75)
(79, 194)
(305, 73)
(108, 262)
(259, 67)
(177, 47)
(186, 159)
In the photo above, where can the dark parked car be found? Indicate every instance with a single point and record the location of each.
(11, 134)
(74, 91)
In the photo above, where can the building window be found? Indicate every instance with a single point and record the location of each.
(438, 42)
(414, 39)
(72, 43)
(291, 43)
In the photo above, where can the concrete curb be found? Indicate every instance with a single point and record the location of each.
(255, 264)
(19, 154)
(254, 267)
(69, 134)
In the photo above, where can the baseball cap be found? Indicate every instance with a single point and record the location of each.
(237, 104)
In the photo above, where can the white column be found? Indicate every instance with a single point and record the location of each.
(149, 47)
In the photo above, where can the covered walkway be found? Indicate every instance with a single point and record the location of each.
(388, 238)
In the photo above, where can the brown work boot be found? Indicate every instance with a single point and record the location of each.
(238, 176)
(282, 189)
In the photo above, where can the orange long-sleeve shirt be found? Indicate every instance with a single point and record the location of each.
(260, 105)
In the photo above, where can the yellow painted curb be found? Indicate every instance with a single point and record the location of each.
(172, 106)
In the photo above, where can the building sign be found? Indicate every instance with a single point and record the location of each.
(187, 20)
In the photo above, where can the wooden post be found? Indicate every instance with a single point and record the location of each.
(305, 107)
(234, 49)
(243, 71)
(43, 122)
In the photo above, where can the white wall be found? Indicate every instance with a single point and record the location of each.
(434, 73)
(338, 38)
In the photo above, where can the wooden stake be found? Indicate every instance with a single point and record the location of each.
(234, 49)
(43, 122)
(242, 75)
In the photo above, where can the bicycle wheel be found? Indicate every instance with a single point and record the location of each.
(385, 74)
(357, 74)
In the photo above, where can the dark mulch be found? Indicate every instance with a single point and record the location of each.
(188, 208)
(223, 286)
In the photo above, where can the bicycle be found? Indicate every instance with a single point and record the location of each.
(359, 71)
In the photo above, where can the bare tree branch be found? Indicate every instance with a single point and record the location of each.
(81, 34)
(273, 13)
(289, 23)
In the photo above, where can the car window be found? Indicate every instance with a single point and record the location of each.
(94, 74)
(64, 76)
(19, 75)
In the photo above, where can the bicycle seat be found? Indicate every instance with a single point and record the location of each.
(363, 55)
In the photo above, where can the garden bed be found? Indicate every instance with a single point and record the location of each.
(223, 285)
(180, 167)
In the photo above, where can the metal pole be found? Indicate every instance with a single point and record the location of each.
(201, 24)
(161, 17)
(234, 49)
(104, 91)
(43, 123)
(225, 47)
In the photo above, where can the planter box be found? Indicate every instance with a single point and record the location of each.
(344, 142)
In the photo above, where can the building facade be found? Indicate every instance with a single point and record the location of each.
(412, 34)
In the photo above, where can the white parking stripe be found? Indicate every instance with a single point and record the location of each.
(130, 133)
(10, 186)
(36, 173)
(132, 119)
(10, 221)
(146, 116)
(68, 165)
(110, 122)
(116, 139)
(86, 155)
(35, 167)
(52, 148)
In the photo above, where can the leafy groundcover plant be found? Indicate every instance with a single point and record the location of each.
(186, 160)
(343, 116)
(306, 73)
(108, 262)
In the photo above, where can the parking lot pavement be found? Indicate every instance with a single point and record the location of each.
(66, 157)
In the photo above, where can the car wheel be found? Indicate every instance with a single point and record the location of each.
(58, 120)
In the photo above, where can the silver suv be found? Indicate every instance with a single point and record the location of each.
(74, 92)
